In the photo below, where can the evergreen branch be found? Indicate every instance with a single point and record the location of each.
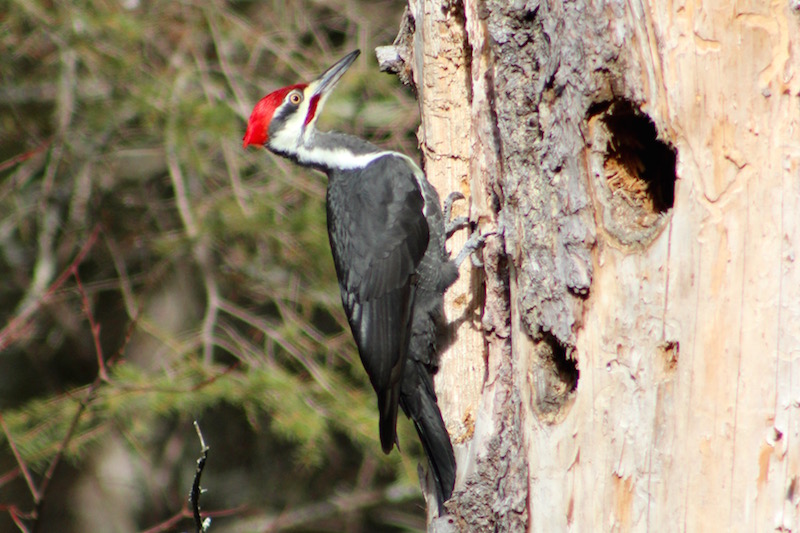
(54, 464)
(38, 493)
(102, 376)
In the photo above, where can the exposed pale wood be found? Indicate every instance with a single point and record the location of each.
(440, 74)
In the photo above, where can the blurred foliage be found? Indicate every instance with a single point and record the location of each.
(133, 227)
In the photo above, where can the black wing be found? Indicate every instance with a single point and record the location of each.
(378, 235)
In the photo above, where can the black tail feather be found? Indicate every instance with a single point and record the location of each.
(418, 401)
(387, 412)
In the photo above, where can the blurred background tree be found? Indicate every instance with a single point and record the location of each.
(152, 272)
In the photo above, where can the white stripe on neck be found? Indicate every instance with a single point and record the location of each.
(337, 158)
(341, 158)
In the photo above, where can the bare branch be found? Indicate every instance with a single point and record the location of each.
(241, 107)
(93, 326)
(17, 516)
(9, 476)
(194, 496)
(22, 466)
(17, 159)
(338, 504)
(201, 247)
(14, 327)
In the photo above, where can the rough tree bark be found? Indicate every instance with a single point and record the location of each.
(636, 362)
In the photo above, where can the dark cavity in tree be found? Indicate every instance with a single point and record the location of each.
(638, 166)
(566, 366)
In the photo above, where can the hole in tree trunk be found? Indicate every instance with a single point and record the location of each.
(554, 379)
(638, 165)
(634, 171)
(566, 367)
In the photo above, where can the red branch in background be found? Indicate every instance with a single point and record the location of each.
(17, 159)
(16, 325)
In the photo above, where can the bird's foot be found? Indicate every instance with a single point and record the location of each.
(473, 244)
(452, 226)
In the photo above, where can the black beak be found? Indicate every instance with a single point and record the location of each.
(329, 78)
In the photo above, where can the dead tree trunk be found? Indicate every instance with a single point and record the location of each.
(636, 362)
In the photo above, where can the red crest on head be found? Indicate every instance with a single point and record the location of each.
(258, 125)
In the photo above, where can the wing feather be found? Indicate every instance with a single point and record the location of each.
(379, 234)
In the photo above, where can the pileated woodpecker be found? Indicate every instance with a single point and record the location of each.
(387, 234)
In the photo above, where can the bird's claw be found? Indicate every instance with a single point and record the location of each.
(452, 226)
(473, 244)
(448, 202)
(455, 225)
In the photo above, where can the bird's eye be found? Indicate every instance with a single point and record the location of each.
(295, 98)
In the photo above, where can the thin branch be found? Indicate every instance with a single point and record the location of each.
(17, 516)
(201, 525)
(175, 173)
(238, 93)
(93, 326)
(239, 191)
(10, 476)
(13, 161)
(170, 523)
(10, 333)
(261, 324)
(201, 247)
(212, 301)
(35, 494)
(124, 281)
(102, 376)
(48, 215)
(179, 390)
(336, 505)
(194, 496)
